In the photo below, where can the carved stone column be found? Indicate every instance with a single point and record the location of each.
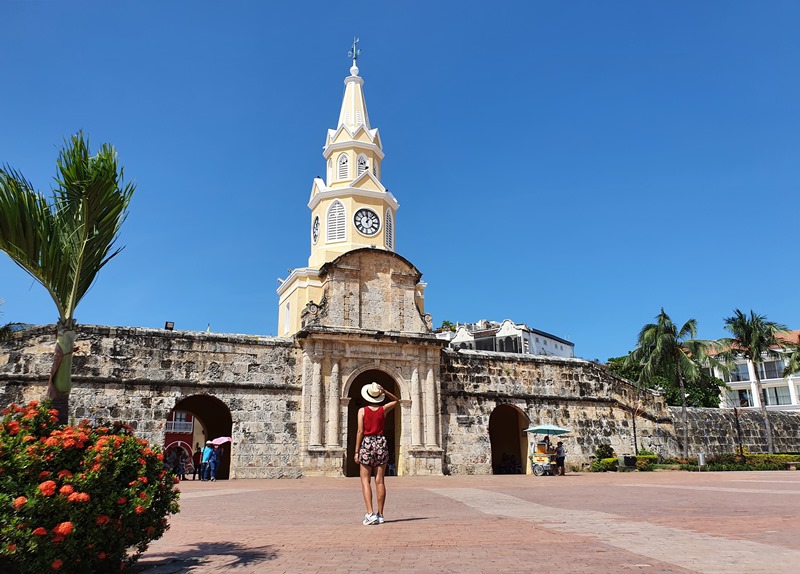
(332, 434)
(431, 440)
(316, 403)
(416, 410)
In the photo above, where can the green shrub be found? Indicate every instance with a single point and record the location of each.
(604, 451)
(604, 464)
(646, 462)
(645, 452)
(87, 498)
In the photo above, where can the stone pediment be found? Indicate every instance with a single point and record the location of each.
(369, 289)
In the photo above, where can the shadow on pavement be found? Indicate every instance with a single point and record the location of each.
(227, 554)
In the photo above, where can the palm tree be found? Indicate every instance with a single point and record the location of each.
(754, 338)
(792, 359)
(663, 350)
(64, 245)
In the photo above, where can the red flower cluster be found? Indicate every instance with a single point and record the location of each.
(63, 528)
(79, 497)
(57, 482)
(48, 488)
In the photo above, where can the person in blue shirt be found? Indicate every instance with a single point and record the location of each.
(205, 464)
(216, 456)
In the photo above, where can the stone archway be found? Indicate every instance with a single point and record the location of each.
(215, 418)
(509, 447)
(392, 428)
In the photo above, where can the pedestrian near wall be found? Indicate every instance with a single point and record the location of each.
(205, 464)
(372, 452)
(561, 455)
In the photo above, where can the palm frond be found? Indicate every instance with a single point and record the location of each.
(64, 245)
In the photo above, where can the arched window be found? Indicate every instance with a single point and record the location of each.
(344, 168)
(389, 227)
(361, 165)
(335, 228)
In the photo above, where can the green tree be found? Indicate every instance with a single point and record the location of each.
(665, 351)
(8, 328)
(792, 359)
(64, 244)
(447, 326)
(754, 338)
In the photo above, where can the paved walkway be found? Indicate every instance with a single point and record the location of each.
(659, 522)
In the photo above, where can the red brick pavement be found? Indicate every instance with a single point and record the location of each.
(662, 522)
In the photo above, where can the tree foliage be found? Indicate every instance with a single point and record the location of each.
(64, 244)
(664, 350)
(754, 338)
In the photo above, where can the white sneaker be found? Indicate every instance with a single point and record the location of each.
(370, 519)
(380, 518)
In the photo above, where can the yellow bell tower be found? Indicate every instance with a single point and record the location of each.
(350, 209)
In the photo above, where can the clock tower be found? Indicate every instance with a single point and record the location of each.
(350, 208)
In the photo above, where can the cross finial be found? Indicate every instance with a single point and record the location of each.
(354, 53)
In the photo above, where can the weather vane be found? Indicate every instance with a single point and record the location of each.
(354, 53)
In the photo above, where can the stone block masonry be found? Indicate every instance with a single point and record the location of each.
(139, 375)
(286, 402)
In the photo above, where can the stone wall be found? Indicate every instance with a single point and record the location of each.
(714, 431)
(572, 393)
(287, 401)
(140, 375)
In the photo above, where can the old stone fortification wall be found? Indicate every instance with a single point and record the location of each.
(139, 375)
(713, 431)
(572, 393)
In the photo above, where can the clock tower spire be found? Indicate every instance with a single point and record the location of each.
(350, 207)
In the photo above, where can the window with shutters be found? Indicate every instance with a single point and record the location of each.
(335, 228)
(362, 165)
(344, 167)
(389, 226)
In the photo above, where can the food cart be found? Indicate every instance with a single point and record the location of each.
(543, 453)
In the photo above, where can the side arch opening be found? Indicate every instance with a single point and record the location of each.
(196, 419)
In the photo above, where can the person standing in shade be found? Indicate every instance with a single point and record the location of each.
(216, 457)
(205, 461)
(196, 458)
(372, 453)
(561, 455)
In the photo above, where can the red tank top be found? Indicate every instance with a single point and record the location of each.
(373, 421)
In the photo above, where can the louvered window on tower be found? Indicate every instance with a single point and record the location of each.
(362, 165)
(358, 118)
(389, 223)
(335, 229)
(343, 166)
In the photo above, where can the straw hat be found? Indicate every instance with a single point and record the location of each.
(372, 393)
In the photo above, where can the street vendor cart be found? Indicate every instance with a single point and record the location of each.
(543, 454)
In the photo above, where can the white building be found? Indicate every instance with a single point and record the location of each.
(507, 337)
(779, 393)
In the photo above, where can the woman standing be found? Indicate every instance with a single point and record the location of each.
(371, 449)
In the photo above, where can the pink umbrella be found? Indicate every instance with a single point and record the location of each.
(221, 440)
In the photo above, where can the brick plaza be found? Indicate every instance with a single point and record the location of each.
(658, 522)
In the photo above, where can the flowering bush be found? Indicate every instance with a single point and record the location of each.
(87, 498)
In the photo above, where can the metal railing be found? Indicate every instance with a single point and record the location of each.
(179, 426)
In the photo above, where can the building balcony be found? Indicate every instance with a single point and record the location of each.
(179, 427)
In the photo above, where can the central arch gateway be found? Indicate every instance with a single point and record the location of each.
(392, 430)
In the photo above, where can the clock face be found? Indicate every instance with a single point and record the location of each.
(315, 229)
(367, 221)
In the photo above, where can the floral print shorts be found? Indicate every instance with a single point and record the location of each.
(373, 451)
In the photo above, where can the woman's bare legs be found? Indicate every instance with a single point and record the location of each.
(380, 487)
(366, 486)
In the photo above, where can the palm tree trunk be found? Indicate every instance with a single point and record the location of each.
(763, 402)
(684, 414)
(60, 382)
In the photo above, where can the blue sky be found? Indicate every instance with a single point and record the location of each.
(575, 166)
